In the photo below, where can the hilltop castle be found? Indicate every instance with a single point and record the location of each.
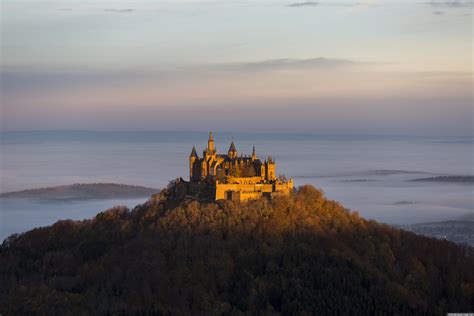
(231, 176)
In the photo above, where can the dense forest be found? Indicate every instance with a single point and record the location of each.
(301, 254)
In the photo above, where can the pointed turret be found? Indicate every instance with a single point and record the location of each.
(232, 147)
(254, 153)
(193, 160)
(210, 143)
(232, 153)
(193, 153)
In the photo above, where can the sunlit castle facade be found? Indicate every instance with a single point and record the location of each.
(233, 177)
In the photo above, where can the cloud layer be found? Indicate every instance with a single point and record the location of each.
(242, 65)
(316, 94)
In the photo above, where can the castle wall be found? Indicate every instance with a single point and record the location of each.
(244, 180)
(244, 196)
(284, 186)
(250, 191)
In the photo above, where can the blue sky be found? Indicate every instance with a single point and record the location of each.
(362, 67)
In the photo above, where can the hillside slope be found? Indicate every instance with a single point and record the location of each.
(300, 254)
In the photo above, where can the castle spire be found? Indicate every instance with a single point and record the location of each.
(193, 153)
(232, 147)
(210, 143)
(232, 150)
(193, 159)
(254, 153)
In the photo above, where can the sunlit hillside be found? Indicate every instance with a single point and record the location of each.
(300, 254)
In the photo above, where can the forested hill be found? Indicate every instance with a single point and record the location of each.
(301, 254)
(83, 191)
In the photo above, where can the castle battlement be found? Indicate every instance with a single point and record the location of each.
(233, 177)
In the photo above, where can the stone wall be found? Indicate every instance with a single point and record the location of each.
(251, 191)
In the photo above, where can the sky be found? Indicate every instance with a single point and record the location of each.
(332, 67)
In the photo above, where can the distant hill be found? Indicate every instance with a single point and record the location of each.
(448, 179)
(83, 192)
(467, 217)
(302, 254)
(461, 232)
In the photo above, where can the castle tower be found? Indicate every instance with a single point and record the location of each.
(193, 157)
(203, 168)
(270, 168)
(210, 143)
(254, 154)
(232, 153)
(263, 170)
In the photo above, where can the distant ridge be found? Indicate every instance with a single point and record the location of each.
(376, 172)
(448, 179)
(83, 191)
(458, 231)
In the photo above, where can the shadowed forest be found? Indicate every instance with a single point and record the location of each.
(301, 254)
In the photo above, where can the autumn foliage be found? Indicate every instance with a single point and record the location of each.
(301, 254)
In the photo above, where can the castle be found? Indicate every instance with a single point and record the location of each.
(232, 177)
